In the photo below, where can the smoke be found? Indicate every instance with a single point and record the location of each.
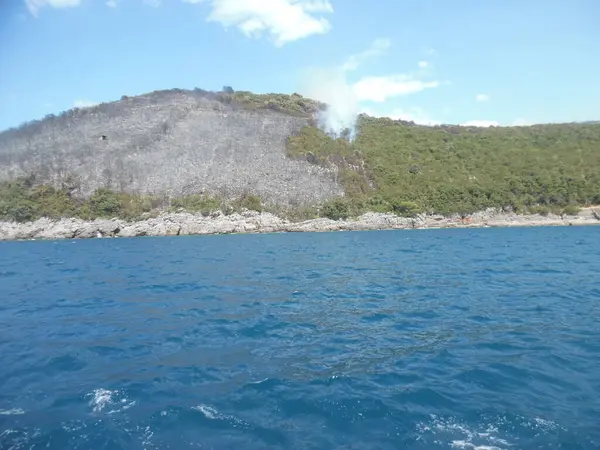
(331, 87)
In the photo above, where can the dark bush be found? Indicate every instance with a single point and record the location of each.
(336, 209)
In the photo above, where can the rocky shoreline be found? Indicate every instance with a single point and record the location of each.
(182, 223)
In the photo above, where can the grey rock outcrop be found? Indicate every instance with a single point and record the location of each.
(174, 224)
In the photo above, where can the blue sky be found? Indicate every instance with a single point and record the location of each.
(468, 61)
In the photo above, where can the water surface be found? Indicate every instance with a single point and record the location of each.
(415, 339)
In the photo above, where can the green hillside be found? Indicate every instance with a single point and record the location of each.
(391, 166)
(454, 169)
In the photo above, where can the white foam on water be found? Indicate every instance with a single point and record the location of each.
(468, 445)
(212, 414)
(19, 439)
(147, 435)
(208, 411)
(125, 406)
(75, 426)
(11, 412)
(462, 436)
(482, 436)
(101, 398)
(546, 425)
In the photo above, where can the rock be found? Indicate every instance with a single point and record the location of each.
(183, 223)
(248, 213)
(98, 228)
(133, 230)
(61, 229)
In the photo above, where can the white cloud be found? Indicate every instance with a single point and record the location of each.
(82, 103)
(35, 5)
(377, 48)
(152, 3)
(482, 97)
(112, 3)
(379, 89)
(423, 64)
(481, 123)
(285, 20)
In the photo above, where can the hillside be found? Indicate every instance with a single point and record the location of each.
(171, 143)
(196, 150)
(454, 169)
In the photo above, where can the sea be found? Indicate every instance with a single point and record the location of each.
(408, 339)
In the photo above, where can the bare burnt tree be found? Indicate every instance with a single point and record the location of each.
(169, 143)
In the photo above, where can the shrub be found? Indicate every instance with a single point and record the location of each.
(21, 201)
(571, 210)
(336, 209)
(18, 211)
(103, 203)
(542, 210)
(203, 203)
(404, 208)
(249, 201)
(52, 203)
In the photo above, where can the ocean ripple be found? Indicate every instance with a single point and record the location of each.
(414, 339)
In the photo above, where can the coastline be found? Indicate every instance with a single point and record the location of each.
(185, 224)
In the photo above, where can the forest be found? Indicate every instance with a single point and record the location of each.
(407, 168)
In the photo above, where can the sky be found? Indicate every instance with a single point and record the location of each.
(472, 62)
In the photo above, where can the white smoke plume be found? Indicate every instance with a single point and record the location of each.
(331, 86)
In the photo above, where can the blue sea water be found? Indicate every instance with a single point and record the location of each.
(417, 339)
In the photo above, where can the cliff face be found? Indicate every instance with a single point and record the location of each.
(169, 143)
